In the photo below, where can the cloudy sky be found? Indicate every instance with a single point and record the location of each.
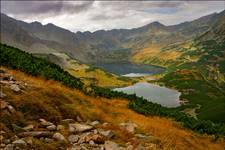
(96, 15)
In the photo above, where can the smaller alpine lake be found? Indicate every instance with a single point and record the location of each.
(154, 93)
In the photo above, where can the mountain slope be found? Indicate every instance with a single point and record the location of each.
(54, 102)
(88, 47)
(200, 75)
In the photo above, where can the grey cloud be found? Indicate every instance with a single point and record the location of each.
(43, 7)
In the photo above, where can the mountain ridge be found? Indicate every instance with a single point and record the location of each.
(86, 46)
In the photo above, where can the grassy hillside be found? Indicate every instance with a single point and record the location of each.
(17, 59)
(88, 75)
(53, 101)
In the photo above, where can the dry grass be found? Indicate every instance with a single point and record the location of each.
(99, 77)
(51, 94)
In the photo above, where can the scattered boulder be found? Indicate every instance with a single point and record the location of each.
(140, 147)
(59, 137)
(60, 127)
(68, 121)
(36, 134)
(45, 123)
(51, 127)
(105, 124)
(109, 145)
(129, 126)
(11, 109)
(29, 140)
(91, 142)
(9, 147)
(95, 123)
(73, 138)
(78, 118)
(108, 133)
(6, 141)
(77, 127)
(29, 127)
(2, 145)
(15, 87)
(19, 143)
(99, 139)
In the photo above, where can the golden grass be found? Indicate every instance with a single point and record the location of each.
(115, 111)
(99, 77)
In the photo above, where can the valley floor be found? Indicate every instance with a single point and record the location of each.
(54, 102)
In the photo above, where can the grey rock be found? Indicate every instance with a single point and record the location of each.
(94, 123)
(140, 147)
(45, 123)
(108, 133)
(130, 147)
(73, 138)
(11, 109)
(59, 137)
(2, 145)
(15, 87)
(36, 134)
(51, 127)
(7, 141)
(68, 121)
(109, 145)
(91, 142)
(77, 127)
(79, 119)
(9, 147)
(60, 127)
(29, 127)
(19, 143)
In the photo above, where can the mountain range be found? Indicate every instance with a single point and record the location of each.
(104, 46)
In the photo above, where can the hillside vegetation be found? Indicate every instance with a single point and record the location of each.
(16, 59)
(54, 102)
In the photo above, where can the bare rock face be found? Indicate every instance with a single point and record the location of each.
(59, 137)
(77, 127)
